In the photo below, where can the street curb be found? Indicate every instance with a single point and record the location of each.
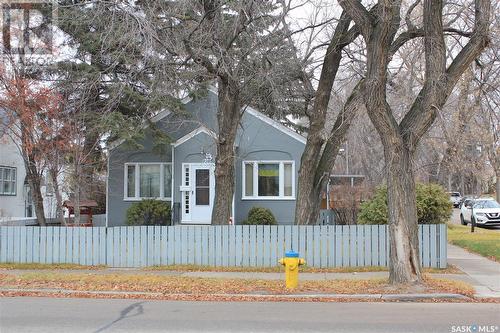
(387, 297)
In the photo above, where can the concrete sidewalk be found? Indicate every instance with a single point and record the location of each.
(484, 273)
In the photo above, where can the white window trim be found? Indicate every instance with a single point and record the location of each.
(13, 182)
(138, 178)
(255, 195)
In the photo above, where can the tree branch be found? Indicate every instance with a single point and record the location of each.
(359, 14)
(410, 34)
(476, 44)
(337, 135)
(408, 21)
(440, 81)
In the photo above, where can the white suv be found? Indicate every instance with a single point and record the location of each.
(483, 211)
(455, 198)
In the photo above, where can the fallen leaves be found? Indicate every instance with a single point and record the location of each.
(194, 286)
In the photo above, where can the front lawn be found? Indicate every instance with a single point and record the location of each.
(483, 241)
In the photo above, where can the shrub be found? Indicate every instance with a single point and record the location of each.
(374, 211)
(433, 206)
(260, 216)
(149, 212)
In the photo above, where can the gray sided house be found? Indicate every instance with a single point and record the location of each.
(267, 161)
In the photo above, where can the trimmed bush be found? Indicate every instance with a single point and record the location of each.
(149, 212)
(433, 206)
(260, 216)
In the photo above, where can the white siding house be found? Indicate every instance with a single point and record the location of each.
(15, 196)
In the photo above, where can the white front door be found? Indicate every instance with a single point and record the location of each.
(198, 194)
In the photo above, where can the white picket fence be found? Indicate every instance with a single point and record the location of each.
(253, 246)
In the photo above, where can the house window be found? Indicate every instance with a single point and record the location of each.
(8, 182)
(28, 201)
(248, 180)
(167, 180)
(268, 180)
(288, 179)
(149, 176)
(148, 180)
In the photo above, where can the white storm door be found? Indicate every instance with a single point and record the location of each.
(201, 194)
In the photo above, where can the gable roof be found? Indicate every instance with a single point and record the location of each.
(246, 109)
(276, 124)
(192, 134)
(261, 116)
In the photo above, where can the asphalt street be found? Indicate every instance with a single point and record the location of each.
(26, 314)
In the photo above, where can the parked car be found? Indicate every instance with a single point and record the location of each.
(485, 212)
(455, 198)
(464, 198)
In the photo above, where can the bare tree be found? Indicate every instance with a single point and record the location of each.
(32, 120)
(321, 146)
(400, 139)
(237, 45)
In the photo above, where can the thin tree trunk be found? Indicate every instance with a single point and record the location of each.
(497, 185)
(77, 190)
(306, 211)
(34, 183)
(228, 115)
(57, 193)
(90, 159)
(329, 154)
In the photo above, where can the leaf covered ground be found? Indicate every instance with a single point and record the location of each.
(169, 285)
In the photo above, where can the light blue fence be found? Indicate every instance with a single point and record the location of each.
(261, 246)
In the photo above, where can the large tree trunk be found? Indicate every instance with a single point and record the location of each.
(228, 116)
(403, 225)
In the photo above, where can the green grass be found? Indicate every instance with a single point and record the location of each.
(482, 241)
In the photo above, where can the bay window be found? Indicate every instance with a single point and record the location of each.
(148, 180)
(268, 180)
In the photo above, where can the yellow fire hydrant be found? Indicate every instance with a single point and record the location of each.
(291, 263)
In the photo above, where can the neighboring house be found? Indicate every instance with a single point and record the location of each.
(16, 201)
(266, 168)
